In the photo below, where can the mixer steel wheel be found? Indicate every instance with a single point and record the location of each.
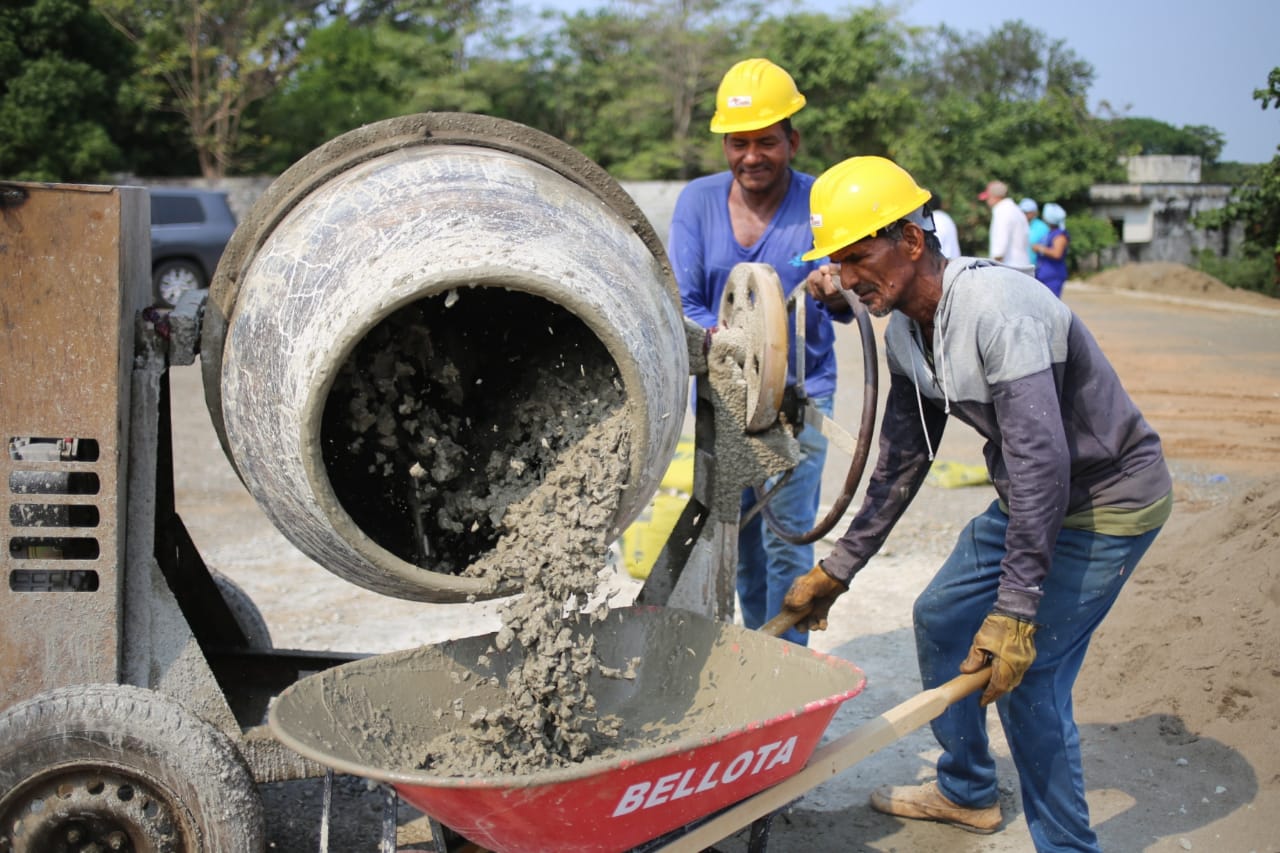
(753, 302)
(108, 767)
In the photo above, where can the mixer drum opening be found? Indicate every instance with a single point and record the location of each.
(454, 407)
(508, 272)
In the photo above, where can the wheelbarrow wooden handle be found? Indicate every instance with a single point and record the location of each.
(833, 758)
(784, 620)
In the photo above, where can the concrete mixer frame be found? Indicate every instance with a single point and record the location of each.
(104, 588)
(114, 628)
(104, 591)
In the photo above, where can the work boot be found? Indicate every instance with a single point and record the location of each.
(926, 802)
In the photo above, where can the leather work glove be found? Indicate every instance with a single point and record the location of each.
(1006, 641)
(813, 594)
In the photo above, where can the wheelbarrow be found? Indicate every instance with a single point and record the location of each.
(719, 728)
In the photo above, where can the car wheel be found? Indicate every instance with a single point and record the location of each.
(116, 767)
(174, 278)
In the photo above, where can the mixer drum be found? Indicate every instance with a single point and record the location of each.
(413, 309)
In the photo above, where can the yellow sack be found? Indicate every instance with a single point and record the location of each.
(953, 475)
(644, 539)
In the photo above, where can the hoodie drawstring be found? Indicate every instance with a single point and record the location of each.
(915, 380)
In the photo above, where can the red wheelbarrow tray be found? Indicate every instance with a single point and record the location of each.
(714, 714)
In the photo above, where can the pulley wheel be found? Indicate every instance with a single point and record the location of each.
(753, 302)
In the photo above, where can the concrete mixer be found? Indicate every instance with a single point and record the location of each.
(411, 324)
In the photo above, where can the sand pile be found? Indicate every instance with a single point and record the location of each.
(1177, 280)
(1194, 633)
(1159, 277)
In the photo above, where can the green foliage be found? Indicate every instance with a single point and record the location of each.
(1089, 235)
(1228, 172)
(1014, 62)
(60, 78)
(346, 76)
(1269, 96)
(1133, 135)
(210, 60)
(629, 84)
(1008, 105)
(1254, 271)
(1256, 204)
(849, 71)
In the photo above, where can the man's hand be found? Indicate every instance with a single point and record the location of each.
(1006, 641)
(813, 594)
(823, 285)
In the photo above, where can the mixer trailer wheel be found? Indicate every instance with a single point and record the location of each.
(106, 767)
(247, 615)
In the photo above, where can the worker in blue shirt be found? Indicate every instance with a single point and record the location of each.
(758, 212)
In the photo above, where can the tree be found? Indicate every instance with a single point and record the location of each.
(1134, 135)
(1256, 204)
(60, 79)
(625, 84)
(377, 59)
(1009, 105)
(850, 71)
(209, 60)
(346, 75)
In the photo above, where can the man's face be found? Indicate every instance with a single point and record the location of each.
(759, 159)
(876, 270)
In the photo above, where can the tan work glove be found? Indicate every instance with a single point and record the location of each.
(1006, 641)
(813, 594)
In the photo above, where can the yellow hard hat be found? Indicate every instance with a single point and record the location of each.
(857, 197)
(753, 94)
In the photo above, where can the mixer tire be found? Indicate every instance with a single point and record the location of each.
(246, 613)
(122, 768)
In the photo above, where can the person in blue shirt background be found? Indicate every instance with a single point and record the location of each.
(1037, 229)
(758, 212)
(1051, 250)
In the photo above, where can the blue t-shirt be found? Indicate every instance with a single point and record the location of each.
(1037, 232)
(703, 250)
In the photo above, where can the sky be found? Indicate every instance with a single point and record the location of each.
(1183, 62)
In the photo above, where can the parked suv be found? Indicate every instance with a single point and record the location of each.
(189, 230)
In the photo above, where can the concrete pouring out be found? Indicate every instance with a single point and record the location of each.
(488, 437)
(557, 542)
(451, 410)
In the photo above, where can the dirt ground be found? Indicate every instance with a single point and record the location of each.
(1177, 700)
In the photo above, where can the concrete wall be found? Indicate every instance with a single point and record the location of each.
(1155, 221)
(1162, 169)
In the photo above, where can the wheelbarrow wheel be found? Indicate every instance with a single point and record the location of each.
(116, 767)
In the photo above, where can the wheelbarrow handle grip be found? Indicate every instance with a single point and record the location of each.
(784, 620)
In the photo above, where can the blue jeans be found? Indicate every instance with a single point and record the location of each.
(1089, 569)
(768, 564)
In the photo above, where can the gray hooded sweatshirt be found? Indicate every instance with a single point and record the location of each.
(1063, 436)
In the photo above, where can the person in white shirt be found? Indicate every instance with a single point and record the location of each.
(945, 228)
(1010, 244)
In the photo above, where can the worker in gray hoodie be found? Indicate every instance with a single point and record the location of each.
(1081, 481)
